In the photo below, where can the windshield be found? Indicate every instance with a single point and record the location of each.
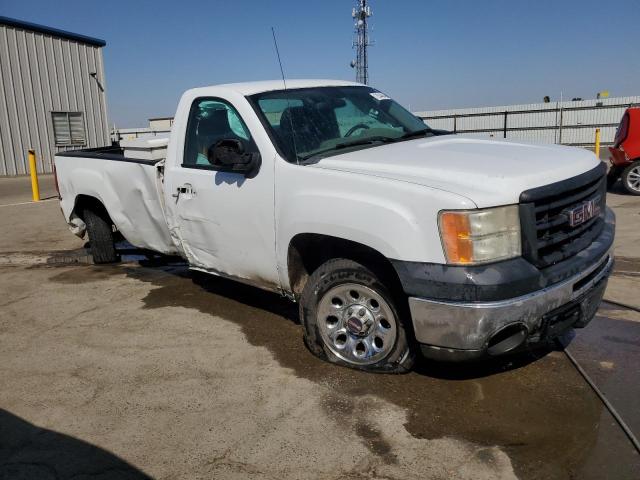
(316, 122)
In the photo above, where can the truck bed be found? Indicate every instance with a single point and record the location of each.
(113, 152)
(129, 188)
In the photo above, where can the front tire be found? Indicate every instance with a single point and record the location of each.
(102, 244)
(350, 318)
(631, 178)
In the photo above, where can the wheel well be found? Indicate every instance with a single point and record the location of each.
(84, 202)
(307, 251)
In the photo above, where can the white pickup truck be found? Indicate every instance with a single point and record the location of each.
(394, 238)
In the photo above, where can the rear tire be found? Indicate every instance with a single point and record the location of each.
(350, 318)
(631, 178)
(101, 239)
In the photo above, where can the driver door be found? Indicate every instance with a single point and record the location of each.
(223, 220)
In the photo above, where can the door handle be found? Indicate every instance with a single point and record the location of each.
(184, 189)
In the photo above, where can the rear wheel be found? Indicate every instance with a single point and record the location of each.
(101, 239)
(350, 318)
(631, 178)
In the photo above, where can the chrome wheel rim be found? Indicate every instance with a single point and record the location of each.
(633, 178)
(356, 324)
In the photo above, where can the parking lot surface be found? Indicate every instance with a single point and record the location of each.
(143, 369)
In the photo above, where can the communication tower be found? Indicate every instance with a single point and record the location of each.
(361, 12)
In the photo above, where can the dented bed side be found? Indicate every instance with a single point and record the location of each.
(129, 190)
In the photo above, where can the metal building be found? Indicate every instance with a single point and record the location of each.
(52, 94)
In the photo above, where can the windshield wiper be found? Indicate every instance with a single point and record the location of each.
(416, 133)
(355, 143)
(365, 141)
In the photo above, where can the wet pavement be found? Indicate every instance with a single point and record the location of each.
(534, 407)
(609, 351)
(145, 369)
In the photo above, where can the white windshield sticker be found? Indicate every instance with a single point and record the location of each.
(379, 96)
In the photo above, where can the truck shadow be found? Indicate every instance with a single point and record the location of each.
(31, 452)
(283, 308)
(482, 368)
(279, 306)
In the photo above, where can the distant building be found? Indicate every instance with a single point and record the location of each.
(160, 123)
(159, 126)
(52, 94)
(568, 123)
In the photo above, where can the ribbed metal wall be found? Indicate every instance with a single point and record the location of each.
(569, 123)
(41, 73)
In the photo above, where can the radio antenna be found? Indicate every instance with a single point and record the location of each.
(284, 82)
(275, 43)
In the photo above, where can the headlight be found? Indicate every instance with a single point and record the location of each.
(480, 236)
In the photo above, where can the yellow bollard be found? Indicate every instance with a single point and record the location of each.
(597, 149)
(35, 188)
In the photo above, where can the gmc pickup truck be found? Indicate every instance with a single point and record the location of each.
(394, 238)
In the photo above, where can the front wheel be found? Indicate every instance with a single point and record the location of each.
(631, 178)
(350, 318)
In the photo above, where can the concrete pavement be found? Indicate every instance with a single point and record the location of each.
(141, 369)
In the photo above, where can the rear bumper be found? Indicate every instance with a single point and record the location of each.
(618, 157)
(464, 330)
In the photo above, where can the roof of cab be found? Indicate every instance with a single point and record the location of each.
(251, 88)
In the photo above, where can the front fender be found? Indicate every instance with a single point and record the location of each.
(396, 218)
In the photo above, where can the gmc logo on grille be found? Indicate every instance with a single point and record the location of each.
(583, 212)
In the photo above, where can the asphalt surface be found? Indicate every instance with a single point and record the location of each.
(144, 370)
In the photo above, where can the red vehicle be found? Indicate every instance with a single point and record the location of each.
(625, 153)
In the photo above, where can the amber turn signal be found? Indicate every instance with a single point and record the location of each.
(456, 237)
(480, 236)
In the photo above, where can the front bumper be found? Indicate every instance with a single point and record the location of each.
(463, 330)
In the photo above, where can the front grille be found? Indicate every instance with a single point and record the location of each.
(547, 236)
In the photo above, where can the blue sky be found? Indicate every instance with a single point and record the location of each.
(428, 54)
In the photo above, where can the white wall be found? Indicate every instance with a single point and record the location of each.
(570, 123)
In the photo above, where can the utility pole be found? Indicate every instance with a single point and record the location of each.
(360, 13)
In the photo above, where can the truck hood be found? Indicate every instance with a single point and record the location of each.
(488, 172)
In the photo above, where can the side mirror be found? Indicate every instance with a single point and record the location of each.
(230, 155)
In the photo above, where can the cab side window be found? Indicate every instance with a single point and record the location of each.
(212, 120)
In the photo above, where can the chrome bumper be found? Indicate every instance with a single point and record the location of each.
(469, 326)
